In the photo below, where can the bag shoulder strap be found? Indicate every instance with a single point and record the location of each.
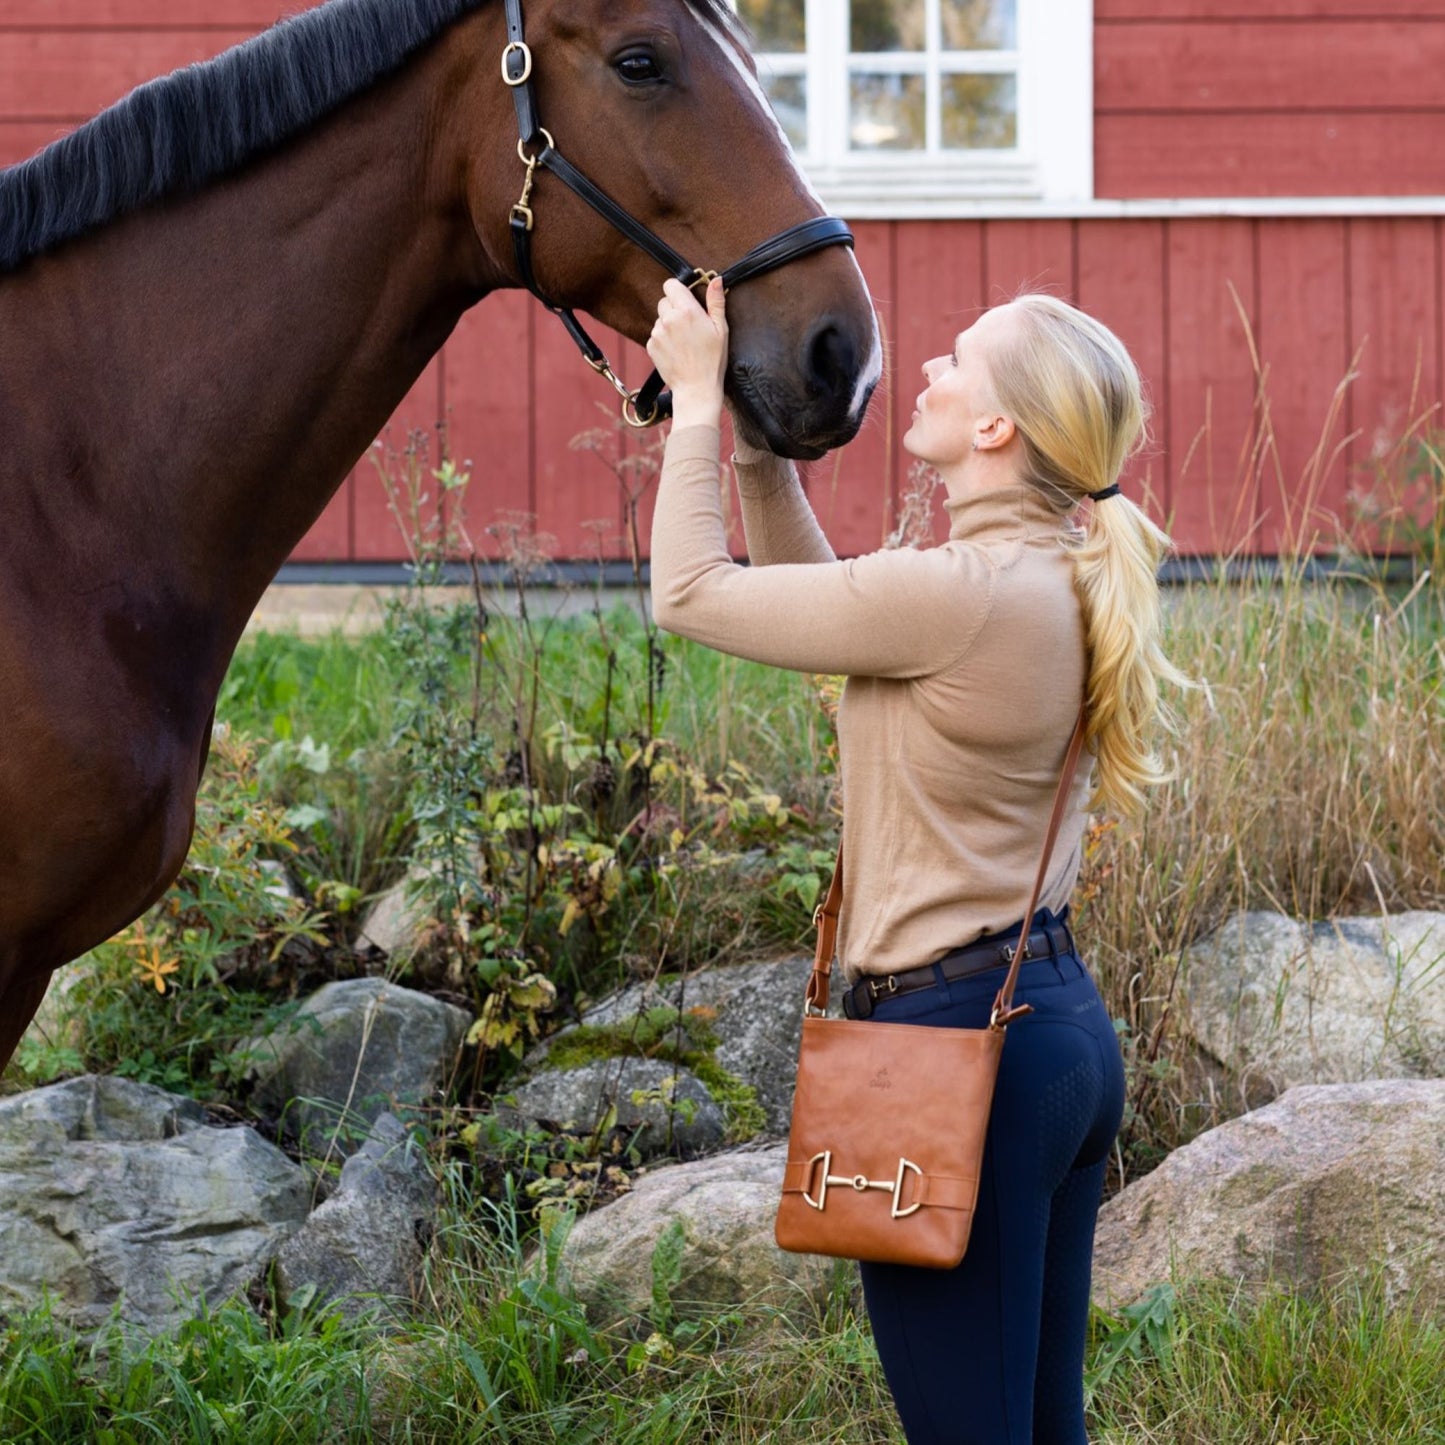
(825, 916)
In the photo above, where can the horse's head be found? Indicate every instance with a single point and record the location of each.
(657, 102)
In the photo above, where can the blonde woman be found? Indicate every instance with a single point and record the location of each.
(966, 667)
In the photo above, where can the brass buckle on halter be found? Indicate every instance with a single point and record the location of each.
(526, 75)
(702, 278)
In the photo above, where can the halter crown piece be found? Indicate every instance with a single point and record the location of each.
(649, 404)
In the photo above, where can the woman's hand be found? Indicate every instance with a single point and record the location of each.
(689, 347)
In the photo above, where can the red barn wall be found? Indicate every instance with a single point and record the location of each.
(1268, 97)
(1244, 328)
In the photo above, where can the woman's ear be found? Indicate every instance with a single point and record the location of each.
(992, 432)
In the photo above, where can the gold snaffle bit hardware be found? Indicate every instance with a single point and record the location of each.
(861, 1183)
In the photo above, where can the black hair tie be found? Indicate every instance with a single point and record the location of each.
(1112, 490)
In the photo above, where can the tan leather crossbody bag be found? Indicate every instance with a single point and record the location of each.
(889, 1120)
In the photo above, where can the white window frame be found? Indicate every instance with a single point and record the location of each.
(1051, 167)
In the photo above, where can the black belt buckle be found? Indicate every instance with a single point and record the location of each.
(858, 1000)
(863, 994)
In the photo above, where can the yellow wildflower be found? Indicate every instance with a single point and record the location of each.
(152, 968)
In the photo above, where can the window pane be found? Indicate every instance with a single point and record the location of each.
(887, 113)
(980, 112)
(789, 95)
(979, 24)
(777, 25)
(879, 25)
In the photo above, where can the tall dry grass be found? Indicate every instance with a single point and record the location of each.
(1309, 761)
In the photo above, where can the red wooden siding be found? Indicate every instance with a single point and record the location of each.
(134, 14)
(1243, 329)
(1108, 10)
(1392, 289)
(1121, 269)
(1302, 334)
(71, 74)
(1284, 98)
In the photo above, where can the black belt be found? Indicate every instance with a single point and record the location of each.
(1047, 940)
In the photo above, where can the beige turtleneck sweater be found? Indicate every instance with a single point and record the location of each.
(965, 667)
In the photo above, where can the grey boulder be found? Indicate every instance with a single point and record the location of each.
(363, 1249)
(401, 919)
(397, 921)
(1278, 1002)
(666, 1108)
(116, 1191)
(724, 1206)
(754, 1009)
(1327, 1182)
(354, 1050)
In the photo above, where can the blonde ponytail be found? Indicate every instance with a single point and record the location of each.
(1074, 394)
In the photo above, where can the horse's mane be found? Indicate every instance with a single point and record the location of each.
(184, 130)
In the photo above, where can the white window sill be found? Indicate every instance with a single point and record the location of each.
(932, 198)
(887, 186)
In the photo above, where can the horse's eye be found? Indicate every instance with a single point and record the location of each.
(639, 68)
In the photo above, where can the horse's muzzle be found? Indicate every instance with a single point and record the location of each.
(803, 427)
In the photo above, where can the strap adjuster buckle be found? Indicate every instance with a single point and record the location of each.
(517, 47)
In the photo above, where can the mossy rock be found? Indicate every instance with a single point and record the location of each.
(737, 1027)
(662, 1106)
(663, 1035)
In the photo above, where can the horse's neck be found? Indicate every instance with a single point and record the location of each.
(243, 347)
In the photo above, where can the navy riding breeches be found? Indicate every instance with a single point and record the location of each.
(992, 1352)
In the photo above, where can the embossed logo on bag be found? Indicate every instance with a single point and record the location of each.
(880, 1080)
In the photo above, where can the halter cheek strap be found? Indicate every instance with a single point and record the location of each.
(650, 403)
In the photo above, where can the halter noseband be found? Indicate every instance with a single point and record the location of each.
(649, 404)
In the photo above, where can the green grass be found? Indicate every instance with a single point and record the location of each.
(1347, 1368)
(502, 1352)
(223, 1376)
(345, 691)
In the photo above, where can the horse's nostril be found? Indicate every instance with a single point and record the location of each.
(832, 360)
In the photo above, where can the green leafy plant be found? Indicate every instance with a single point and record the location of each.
(550, 855)
(1142, 1331)
(165, 1001)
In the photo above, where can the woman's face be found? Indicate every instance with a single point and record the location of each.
(958, 399)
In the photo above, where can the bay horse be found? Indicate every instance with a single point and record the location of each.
(214, 295)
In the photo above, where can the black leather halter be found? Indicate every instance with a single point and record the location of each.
(649, 404)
